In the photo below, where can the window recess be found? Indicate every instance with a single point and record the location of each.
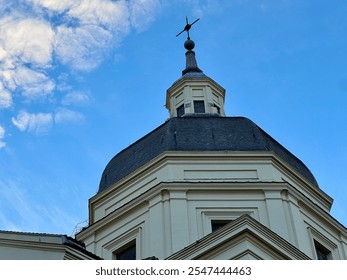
(199, 107)
(126, 252)
(217, 224)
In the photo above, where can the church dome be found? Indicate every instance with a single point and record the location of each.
(195, 129)
(199, 132)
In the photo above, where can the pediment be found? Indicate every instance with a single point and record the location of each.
(244, 238)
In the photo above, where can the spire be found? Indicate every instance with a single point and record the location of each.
(191, 64)
(194, 93)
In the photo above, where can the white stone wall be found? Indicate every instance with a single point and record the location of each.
(169, 204)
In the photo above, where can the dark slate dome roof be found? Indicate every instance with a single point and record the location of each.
(197, 133)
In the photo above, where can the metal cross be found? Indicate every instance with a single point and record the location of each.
(187, 27)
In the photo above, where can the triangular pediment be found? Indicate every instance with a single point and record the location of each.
(244, 238)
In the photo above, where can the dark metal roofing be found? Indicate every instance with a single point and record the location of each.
(197, 133)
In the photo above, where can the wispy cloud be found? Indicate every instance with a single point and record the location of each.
(7, 224)
(31, 213)
(77, 98)
(37, 124)
(5, 97)
(141, 13)
(38, 35)
(21, 206)
(2, 136)
(32, 83)
(40, 123)
(64, 115)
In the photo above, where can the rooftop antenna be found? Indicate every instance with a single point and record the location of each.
(187, 27)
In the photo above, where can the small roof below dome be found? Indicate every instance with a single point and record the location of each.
(192, 76)
(197, 133)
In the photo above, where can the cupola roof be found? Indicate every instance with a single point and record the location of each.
(198, 133)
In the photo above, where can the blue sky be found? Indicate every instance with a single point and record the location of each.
(82, 79)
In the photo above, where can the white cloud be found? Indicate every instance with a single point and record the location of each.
(2, 132)
(5, 97)
(112, 15)
(143, 12)
(85, 31)
(64, 115)
(82, 48)
(37, 124)
(77, 98)
(58, 6)
(32, 83)
(99, 25)
(26, 47)
(30, 39)
(27, 40)
(36, 36)
(41, 123)
(2, 136)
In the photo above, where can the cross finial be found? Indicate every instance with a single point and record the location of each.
(187, 27)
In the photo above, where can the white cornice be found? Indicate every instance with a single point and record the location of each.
(245, 186)
(172, 156)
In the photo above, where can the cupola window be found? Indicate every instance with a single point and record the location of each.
(180, 111)
(217, 108)
(199, 107)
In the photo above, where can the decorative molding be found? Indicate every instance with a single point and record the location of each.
(324, 241)
(135, 234)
